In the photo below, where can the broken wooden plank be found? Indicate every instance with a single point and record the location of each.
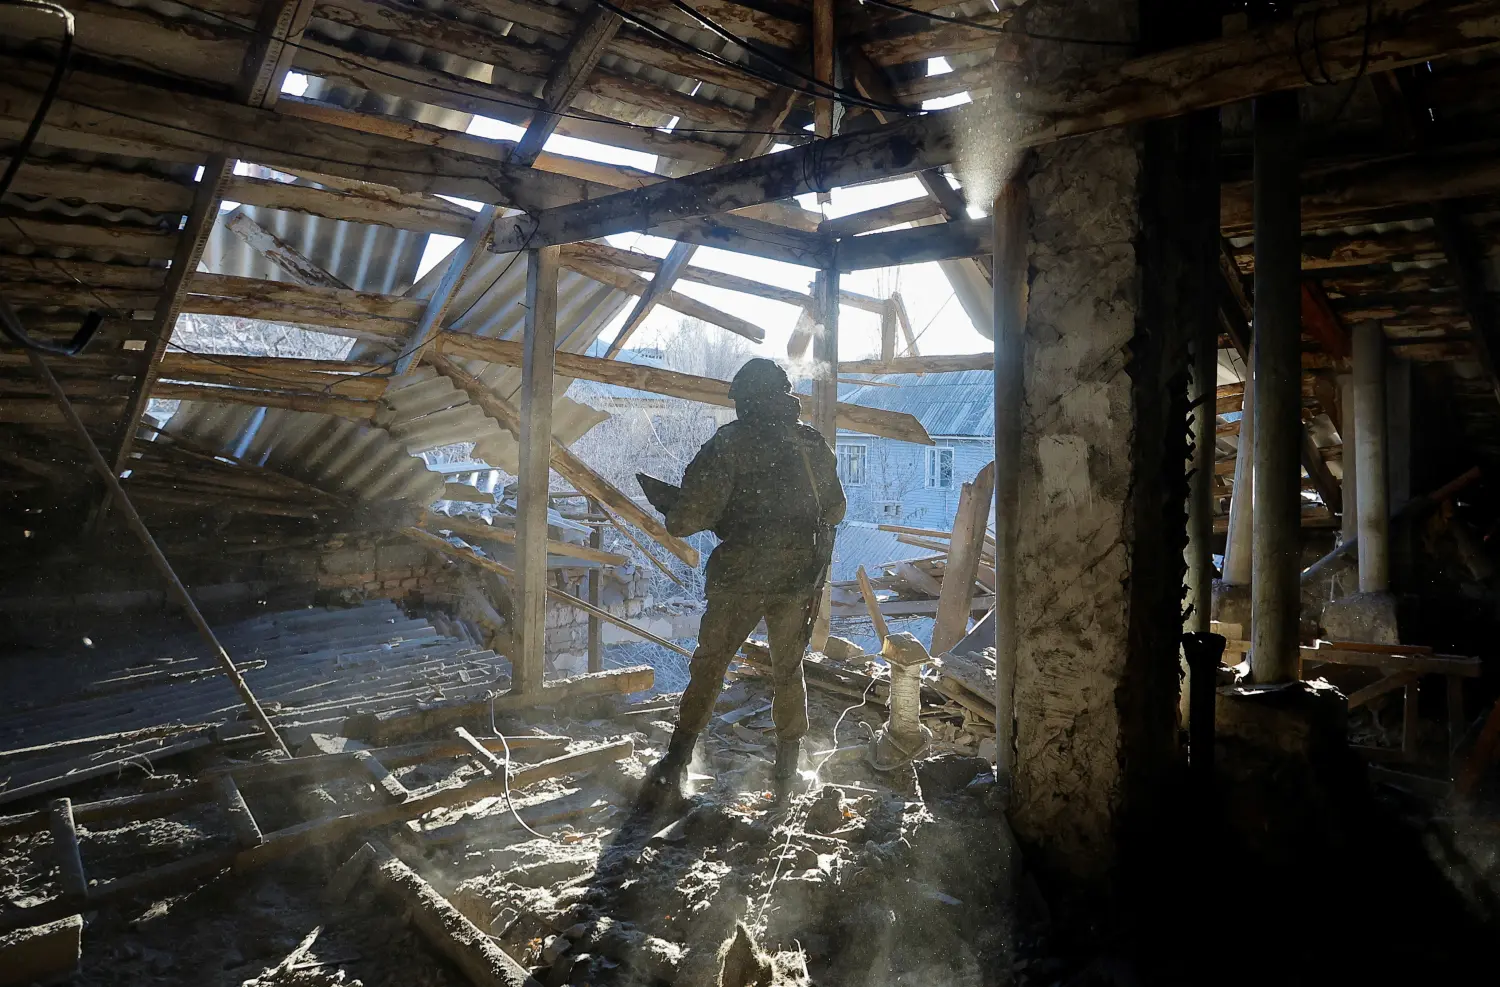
(460, 262)
(940, 364)
(473, 530)
(241, 821)
(872, 604)
(276, 250)
(975, 501)
(75, 885)
(42, 954)
(1390, 683)
(1376, 658)
(568, 465)
(444, 927)
(391, 790)
(614, 681)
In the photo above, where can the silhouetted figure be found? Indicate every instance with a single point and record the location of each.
(768, 486)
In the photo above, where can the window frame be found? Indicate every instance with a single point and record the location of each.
(932, 467)
(864, 462)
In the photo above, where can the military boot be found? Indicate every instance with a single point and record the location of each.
(788, 753)
(664, 781)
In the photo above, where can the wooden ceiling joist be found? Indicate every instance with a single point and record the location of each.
(1380, 36)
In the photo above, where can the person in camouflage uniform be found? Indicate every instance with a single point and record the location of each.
(768, 486)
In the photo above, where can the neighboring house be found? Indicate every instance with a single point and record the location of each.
(889, 481)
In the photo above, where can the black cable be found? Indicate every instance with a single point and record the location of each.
(771, 59)
(59, 69)
(834, 93)
(10, 322)
(513, 104)
(992, 29)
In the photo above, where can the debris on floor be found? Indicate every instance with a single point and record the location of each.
(437, 851)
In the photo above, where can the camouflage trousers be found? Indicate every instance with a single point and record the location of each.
(730, 618)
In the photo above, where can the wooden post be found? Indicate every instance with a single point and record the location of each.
(1010, 286)
(596, 580)
(241, 820)
(1275, 587)
(537, 364)
(1370, 458)
(133, 519)
(956, 599)
(825, 350)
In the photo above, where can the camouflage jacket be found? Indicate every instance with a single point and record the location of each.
(770, 490)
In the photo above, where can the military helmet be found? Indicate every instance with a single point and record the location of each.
(759, 377)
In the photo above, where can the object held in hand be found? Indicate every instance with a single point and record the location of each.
(662, 495)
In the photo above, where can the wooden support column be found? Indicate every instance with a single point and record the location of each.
(825, 350)
(1370, 458)
(1010, 267)
(596, 580)
(537, 367)
(1275, 589)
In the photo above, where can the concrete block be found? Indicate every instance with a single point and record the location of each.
(1231, 603)
(842, 649)
(1299, 719)
(1362, 617)
(42, 953)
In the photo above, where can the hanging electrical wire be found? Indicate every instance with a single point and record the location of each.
(10, 322)
(832, 92)
(993, 29)
(771, 59)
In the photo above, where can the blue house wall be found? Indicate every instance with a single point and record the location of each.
(895, 488)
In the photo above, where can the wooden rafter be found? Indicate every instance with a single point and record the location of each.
(261, 75)
(1380, 36)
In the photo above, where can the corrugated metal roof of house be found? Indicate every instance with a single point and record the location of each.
(948, 404)
(861, 543)
(424, 409)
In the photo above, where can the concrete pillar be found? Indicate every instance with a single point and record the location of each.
(1370, 429)
(1237, 547)
(1275, 588)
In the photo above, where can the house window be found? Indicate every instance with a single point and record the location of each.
(940, 468)
(852, 464)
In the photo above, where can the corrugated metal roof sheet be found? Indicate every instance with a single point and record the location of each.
(367, 258)
(860, 543)
(954, 404)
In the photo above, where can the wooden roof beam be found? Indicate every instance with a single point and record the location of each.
(569, 73)
(681, 254)
(1163, 85)
(708, 390)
